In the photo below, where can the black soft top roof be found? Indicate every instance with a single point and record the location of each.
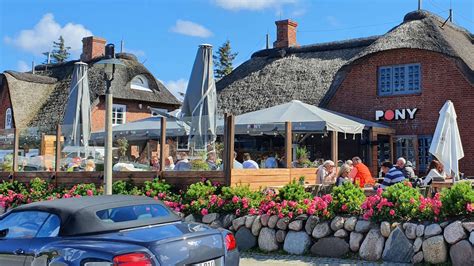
(78, 215)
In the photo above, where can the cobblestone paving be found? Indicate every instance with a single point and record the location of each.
(251, 258)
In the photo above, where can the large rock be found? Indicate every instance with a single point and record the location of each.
(330, 247)
(310, 224)
(264, 219)
(417, 244)
(454, 232)
(469, 226)
(297, 242)
(245, 239)
(433, 230)
(296, 225)
(462, 253)
(418, 258)
(410, 230)
(341, 233)
(321, 230)
(398, 248)
(280, 236)
(420, 230)
(267, 240)
(435, 250)
(302, 217)
(444, 224)
(256, 226)
(209, 218)
(216, 224)
(237, 223)
(354, 241)
(249, 220)
(350, 224)
(372, 246)
(471, 238)
(227, 220)
(385, 229)
(337, 223)
(272, 221)
(362, 226)
(282, 224)
(189, 219)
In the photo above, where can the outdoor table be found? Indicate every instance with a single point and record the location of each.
(442, 184)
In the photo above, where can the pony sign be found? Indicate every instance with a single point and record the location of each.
(397, 114)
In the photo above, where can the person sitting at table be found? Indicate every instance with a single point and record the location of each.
(75, 165)
(326, 173)
(169, 164)
(211, 160)
(360, 173)
(393, 175)
(237, 164)
(90, 165)
(435, 172)
(248, 162)
(155, 163)
(183, 164)
(402, 166)
(343, 175)
(271, 162)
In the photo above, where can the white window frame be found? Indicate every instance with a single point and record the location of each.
(8, 118)
(394, 80)
(114, 114)
(140, 82)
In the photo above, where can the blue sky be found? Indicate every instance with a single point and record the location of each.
(165, 34)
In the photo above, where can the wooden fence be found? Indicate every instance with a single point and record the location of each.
(261, 178)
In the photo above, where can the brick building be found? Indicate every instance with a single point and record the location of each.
(397, 81)
(39, 99)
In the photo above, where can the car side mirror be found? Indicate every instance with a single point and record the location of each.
(3, 232)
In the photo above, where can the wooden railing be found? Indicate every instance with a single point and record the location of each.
(261, 178)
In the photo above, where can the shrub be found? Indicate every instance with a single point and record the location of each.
(82, 189)
(240, 200)
(458, 200)
(405, 199)
(430, 208)
(126, 188)
(347, 199)
(293, 191)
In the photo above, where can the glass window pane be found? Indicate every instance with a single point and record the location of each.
(23, 224)
(50, 228)
(132, 213)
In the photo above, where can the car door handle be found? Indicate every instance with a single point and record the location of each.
(19, 252)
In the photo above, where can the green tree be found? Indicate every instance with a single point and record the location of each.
(223, 60)
(60, 53)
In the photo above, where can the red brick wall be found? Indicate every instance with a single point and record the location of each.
(133, 112)
(4, 104)
(441, 80)
(92, 47)
(286, 33)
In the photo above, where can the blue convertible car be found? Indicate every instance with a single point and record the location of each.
(109, 230)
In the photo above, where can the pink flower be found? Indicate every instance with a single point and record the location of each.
(90, 192)
(237, 212)
(148, 193)
(204, 212)
(235, 199)
(392, 212)
(344, 207)
(412, 200)
(252, 211)
(470, 207)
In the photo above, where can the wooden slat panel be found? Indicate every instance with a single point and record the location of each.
(308, 173)
(260, 172)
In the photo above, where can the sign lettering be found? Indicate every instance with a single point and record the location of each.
(397, 114)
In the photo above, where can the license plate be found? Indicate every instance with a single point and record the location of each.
(207, 263)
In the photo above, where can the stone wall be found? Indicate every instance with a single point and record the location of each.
(392, 242)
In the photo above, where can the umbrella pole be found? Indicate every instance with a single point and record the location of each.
(108, 141)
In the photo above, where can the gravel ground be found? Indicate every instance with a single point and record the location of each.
(251, 258)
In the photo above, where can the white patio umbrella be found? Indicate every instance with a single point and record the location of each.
(446, 144)
(200, 102)
(77, 115)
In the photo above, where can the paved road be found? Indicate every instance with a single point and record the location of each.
(250, 259)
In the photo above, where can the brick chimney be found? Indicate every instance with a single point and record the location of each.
(92, 47)
(286, 34)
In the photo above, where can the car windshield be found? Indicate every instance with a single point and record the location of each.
(132, 213)
(29, 224)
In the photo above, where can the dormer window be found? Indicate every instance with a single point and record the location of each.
(140, 83)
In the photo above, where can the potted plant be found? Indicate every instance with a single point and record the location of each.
(302, 160)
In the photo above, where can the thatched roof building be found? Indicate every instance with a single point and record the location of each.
(39, 100)
(312, 73)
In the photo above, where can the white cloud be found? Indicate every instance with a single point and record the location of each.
(22, 66)
(251, 4)
(177, 87)
(40, 38)
(333, 21)
(191, 29)
(139, 53)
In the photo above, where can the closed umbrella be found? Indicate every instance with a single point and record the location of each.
(200, 102)
(77, 114)
(446, 144)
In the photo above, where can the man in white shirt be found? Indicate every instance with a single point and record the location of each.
(249, 163)
(237, 164)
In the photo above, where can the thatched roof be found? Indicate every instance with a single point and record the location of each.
(312, 73)
(28, 93)
(49, 106)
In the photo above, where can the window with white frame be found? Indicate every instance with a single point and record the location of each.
(118, 114)
(8, 119)
(399, 79)
(140, 83)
